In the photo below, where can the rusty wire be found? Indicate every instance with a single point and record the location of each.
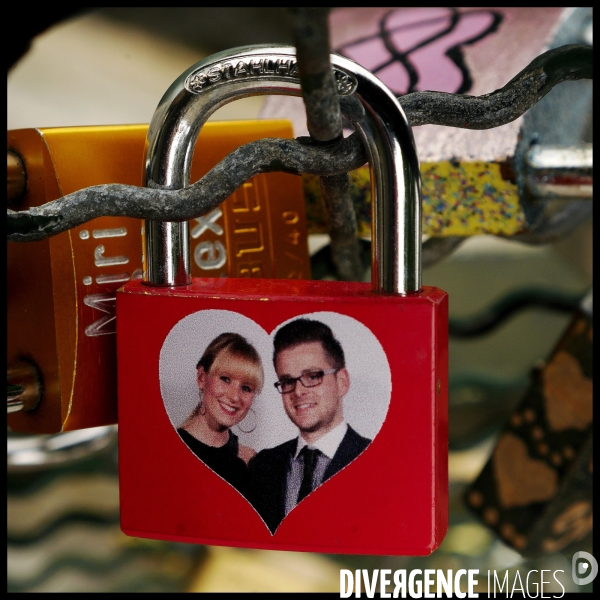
(301, 155)
(324, 123)
(566, 63)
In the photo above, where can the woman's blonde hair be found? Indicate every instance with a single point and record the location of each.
(232, 345)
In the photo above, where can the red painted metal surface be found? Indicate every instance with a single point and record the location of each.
(391, 500)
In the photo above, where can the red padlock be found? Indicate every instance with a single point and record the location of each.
(287, 415)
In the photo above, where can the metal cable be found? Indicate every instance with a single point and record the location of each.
(299, 156)
(494, 315)
(567, 63)
(324, 122)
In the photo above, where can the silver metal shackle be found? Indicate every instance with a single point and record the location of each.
(271, 69)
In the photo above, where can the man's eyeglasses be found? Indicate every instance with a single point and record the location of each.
(311, 379)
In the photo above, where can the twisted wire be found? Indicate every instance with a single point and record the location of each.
(302, 155)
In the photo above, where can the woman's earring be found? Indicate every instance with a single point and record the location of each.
(201, 406)
(251, 429)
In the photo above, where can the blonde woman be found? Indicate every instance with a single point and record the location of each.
(229, 376)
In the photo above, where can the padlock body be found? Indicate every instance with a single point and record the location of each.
(391, 499)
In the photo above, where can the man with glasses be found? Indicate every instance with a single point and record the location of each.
(312, 380)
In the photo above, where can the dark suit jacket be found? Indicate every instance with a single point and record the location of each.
(268, 474)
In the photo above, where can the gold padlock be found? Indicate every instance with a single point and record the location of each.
(61, 291)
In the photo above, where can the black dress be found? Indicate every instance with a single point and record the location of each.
(223, 460)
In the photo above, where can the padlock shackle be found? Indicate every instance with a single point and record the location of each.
(272, 69)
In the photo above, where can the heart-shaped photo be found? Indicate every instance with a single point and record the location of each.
(275, 414)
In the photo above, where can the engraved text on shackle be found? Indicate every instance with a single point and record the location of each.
(261, 67)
